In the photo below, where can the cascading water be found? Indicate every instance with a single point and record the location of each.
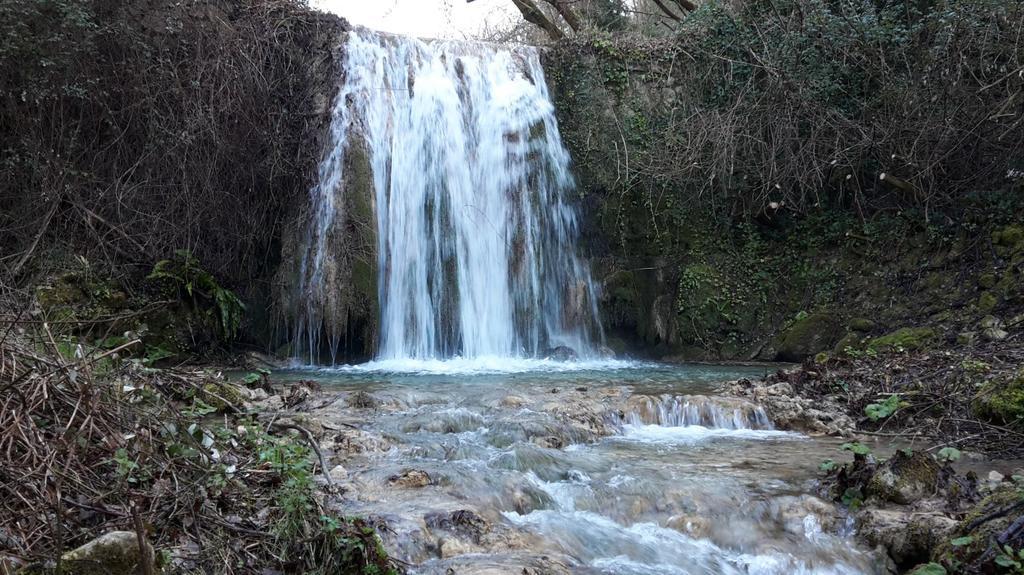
(475, 235)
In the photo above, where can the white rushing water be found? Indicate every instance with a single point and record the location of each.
(476, 236)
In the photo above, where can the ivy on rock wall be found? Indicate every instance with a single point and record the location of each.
(772, 155)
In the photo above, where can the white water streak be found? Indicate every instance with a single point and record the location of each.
(476, 239)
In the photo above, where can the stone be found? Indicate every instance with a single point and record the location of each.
(1001, 400)
(906, 479)
(464, 523)
(995, 477)
(561, 353)
(995, 334)
(807, 336)
(862, 325)
(987, 301)
(967, 337)
(113, 553)
(412, 478)
(903, 339)
(851, 341)
(513, 401)
(450, 547)
(909, 537)
(693, 525)
(338, 473)
(362, 400)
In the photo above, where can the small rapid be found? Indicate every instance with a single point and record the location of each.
(644, 469)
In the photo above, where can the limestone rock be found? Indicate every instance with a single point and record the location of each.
(412, 478)
(114, 553)
(909, 537)
(338, 473)
(693, 525)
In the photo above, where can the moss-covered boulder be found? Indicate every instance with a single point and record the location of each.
(1008, 240)
(983, 523)
(862, 325)
(1002, 401)
(223, 396)
(852, 341)
(114, 553)
(808, 336)
(906, 478)
(903, 339)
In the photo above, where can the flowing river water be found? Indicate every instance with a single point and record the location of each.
(608, 467)
(499, 463)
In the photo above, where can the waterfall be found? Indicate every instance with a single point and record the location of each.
(475, 232)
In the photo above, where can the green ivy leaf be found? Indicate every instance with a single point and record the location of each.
(961, 541)
(856, 447)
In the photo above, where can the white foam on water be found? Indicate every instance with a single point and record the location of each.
(643, 548)
(694, 434)
(485, 365)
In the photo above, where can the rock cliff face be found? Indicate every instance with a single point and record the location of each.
(695, 265)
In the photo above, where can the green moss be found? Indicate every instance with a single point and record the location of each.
(223, 395)
(905, 478)
(862, 324)
(983, 533)
(987, 280)
(987, 302)
(850, 341)
(807, 336)
(903, 339)
(1002, 401)
(1011, 236)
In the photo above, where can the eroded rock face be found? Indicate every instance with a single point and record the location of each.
(907, 536)
(114, 553)
(791, 412)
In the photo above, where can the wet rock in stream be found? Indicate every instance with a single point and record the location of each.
(788, 411)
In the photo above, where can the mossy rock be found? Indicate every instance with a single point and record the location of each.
(851, 341)
(903, 339)
(862, 324)
(987, 302)
(980, 531)
(114, 553)
(987, 280)
(1011, 237)
(1002, 401)
(807, 337)
(223, 396)
(905, 478)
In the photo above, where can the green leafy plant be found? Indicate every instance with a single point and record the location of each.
(948, 454)
(856, 447)
(198, 284)
(1011, 559)
(930, 569)
(853, 498)
(962, 541)
(877, 411)
(827, 465)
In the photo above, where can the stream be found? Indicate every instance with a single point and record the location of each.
(610, 467)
